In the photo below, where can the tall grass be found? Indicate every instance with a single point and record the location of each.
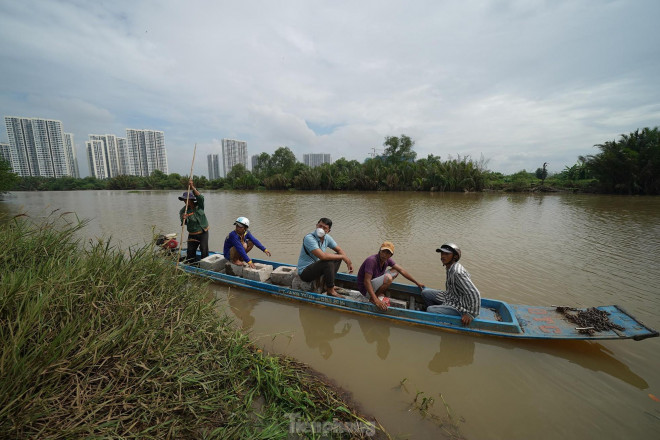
(97, 342)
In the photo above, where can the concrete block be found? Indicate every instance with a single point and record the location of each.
(215, 262)
(398, 303)
(234, 269)
(283, 275)
(352, 294)
(299, 284)
(260, 273)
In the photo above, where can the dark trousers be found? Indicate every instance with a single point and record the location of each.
(195, 241)
(327, 268)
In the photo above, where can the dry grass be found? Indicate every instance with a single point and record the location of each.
(103, 343)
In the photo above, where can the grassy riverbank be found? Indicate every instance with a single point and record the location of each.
(100, 343)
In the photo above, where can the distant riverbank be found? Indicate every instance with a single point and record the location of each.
(102, 342)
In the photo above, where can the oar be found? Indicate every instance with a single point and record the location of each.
(183, 225)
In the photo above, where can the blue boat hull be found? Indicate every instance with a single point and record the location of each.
(497, 318)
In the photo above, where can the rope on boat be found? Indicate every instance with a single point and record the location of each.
(590, 320)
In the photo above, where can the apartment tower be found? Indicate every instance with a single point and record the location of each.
(233, 153)
(316, 159)
(36, 147)
(214, 166)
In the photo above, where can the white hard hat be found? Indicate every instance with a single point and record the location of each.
(243, 221)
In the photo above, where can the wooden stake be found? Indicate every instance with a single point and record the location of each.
(183, 225)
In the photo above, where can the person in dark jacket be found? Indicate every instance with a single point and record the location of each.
(192, 214)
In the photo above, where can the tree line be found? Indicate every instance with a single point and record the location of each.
(630, 165)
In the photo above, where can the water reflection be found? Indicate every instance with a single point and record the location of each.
(455, 351)
(590, 355)
(242, 306)
(375, 331)
(319, 328)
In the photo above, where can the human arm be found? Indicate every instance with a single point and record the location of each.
(318, 253)
(372, 295)
(407, 275)
(192, 187)
(257, 243)
(200, 198)
(341, 255)
(467, 298)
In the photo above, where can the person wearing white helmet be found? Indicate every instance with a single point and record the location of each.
(314, 261)
(461, 296)
(239, 242)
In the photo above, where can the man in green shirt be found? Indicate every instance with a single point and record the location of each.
(196, 223)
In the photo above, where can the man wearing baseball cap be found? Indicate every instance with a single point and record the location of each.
(374, 277)
(461, 297)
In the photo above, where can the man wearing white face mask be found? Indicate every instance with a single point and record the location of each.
(314, 261)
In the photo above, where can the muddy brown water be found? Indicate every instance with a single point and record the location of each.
(564, 249)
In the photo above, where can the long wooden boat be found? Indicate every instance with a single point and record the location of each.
(497, 318)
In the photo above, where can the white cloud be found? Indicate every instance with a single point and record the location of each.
(521, 82)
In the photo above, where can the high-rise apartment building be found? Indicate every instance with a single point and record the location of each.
(5, 153)
(36, 147)
(96, 158)
(146, 150)
(71, 159)
(214, 166)
(316, 159)
(116, 157)
(126, 167)
(233, 153)
(254, 161)
(110, 152)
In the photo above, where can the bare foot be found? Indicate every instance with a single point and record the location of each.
(333, 292)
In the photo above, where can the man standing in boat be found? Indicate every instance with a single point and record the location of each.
(374, 277)
(198, 226)
(314, 261)
(461, 297)
(239, 242)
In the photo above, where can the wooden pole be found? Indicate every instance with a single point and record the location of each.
(183, 224)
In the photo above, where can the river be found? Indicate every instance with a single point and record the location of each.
(564, 249)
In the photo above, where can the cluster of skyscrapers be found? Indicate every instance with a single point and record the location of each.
(140, 153)
(234, 152)
(40, 148)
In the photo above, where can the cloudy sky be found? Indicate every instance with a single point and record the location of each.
(517, 82)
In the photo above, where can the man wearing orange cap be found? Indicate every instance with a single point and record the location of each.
(374, 278)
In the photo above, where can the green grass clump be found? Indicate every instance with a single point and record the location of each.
(101, 343)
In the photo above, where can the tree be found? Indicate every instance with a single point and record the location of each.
(282, 161)
(261, 168)
(542, 174)
(630, 165)
(7, 177)
(399, 149)
(237, 171)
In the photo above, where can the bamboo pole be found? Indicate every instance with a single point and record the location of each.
(183, 224)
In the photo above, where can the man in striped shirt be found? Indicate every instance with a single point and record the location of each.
(461, 298)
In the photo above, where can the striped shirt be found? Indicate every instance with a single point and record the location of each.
(461, 292)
